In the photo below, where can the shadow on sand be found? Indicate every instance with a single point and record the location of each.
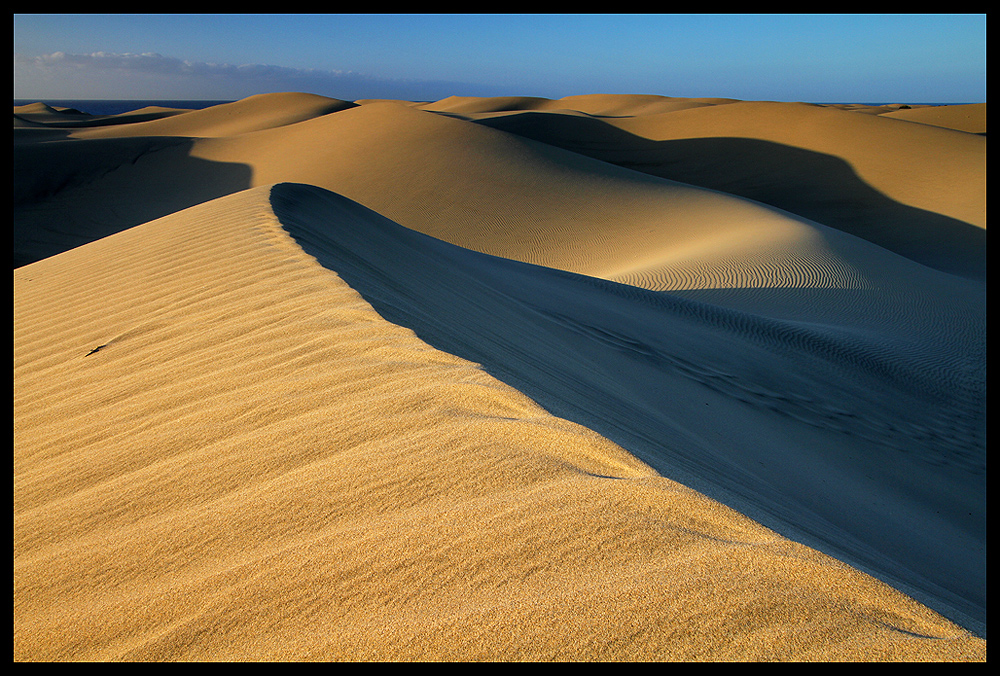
(806, 430)
(67, 192)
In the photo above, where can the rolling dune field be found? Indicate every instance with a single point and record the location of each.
(602, 378)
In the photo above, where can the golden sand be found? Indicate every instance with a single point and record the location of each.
(256, 419)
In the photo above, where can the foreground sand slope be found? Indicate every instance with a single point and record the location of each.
(223, 452)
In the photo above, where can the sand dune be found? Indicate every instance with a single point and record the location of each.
(969, 118)
(39, 115)
(299, 378)
(918, 191)
(613, 105)
(264, 111)
(441, 176)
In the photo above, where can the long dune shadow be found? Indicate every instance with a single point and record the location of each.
(69, 192)
(814, 185)
(807, 430)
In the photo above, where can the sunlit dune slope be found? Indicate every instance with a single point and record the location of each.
(263, 111)
(918, 190)
(613, 105)
(499, 194)
(969, 118)
(223, 452)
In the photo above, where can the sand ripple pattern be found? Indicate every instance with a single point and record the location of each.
(773, 269)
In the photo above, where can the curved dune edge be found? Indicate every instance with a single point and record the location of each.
(864, 438)
(223, 452)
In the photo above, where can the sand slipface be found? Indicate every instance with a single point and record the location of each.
(498, 379)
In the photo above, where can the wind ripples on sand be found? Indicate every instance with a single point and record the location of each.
(771, 270)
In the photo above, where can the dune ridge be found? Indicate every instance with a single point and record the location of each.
(220, 550)
(305, 379)
(475, 308)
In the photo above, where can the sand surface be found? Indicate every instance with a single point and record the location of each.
(596, 378)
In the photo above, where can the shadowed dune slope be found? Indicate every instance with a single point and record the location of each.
(223, 452)
(857, 420)
(490, 104)
(940, 170)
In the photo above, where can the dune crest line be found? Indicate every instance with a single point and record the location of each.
(692, 388)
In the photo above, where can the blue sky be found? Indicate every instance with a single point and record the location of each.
(918, 58)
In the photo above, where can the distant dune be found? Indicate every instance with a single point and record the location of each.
(968, 118)
(616, 378)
